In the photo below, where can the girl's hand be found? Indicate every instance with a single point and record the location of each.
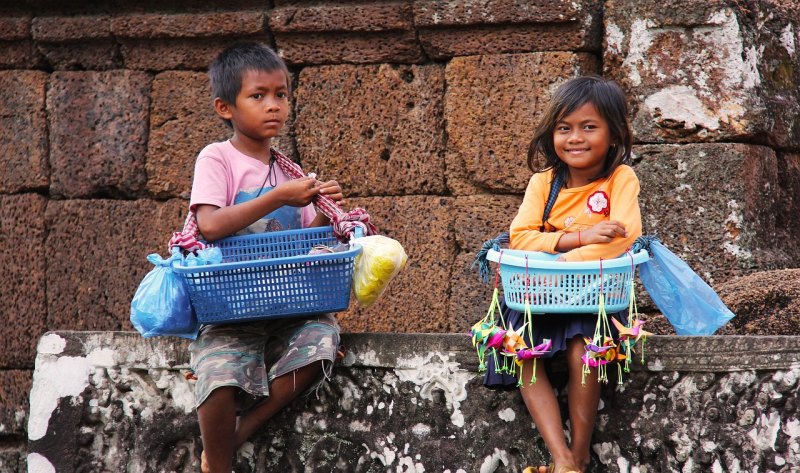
(603, 232)
(332, 190)
(298, 192)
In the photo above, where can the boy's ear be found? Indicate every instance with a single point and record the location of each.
(223, 108)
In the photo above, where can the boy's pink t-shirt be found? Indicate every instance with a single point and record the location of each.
(224, 176)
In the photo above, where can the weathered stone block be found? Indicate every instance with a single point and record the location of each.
(416, 402)
(492, 105)
(469, 296)
(338, 17)
(15, 27)
(56, 29)
(714, 205)
(23, 131)
(417, 299)
(189, 25)
(481, 217)
(82, 55)
(765, 303)
(357, 48)
(14, 406)
(98, 132)
(789, 203)
(93, 274)
(477, 219)
(179, 53)
(24, 310)
(335, 33)
(440, 13)
(12, 460)
(182, 122)
(76, 42)
(707, 70)
(18, 55)
(376, 129)
(448, 29)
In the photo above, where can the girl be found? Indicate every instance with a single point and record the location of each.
(584, 142)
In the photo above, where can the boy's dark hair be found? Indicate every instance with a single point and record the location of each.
(225, 73)
(609, 100)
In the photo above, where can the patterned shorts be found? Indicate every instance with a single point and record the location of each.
(250, 355)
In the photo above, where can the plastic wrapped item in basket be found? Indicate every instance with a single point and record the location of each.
(380, 261)
(565, 287)
(271, 275)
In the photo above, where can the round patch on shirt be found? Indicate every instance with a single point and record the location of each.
(599, 203)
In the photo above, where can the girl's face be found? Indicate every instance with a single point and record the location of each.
(581, 140)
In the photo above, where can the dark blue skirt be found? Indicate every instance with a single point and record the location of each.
(559, 328)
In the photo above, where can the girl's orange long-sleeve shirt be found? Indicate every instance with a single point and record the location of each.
(613, 198)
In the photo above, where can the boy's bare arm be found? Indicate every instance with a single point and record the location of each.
(218, 222)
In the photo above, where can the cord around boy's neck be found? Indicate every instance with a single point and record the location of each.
(271, 175)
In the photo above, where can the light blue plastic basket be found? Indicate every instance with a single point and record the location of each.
(565, 287)
(271, 275)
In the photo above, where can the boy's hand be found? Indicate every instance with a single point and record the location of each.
(332, 190)
(603, 232)
(298, 192)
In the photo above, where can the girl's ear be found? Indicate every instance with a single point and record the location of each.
(223, 108)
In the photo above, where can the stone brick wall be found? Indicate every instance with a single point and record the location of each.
(422, 109)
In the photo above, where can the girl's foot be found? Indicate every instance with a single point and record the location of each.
(562, 469)
(582, 464)
(537, 469)
(203, 463)
(540, 469)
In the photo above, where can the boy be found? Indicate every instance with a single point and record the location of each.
(247, 372)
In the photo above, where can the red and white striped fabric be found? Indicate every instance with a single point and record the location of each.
(343, 223)
(187, 238)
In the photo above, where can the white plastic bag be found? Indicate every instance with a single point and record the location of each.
(380, 260)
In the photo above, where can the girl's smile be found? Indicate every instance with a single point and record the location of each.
(581, 140)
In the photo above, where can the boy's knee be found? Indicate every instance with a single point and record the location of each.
(223, 394)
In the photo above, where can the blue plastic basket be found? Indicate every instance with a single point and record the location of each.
(271, 275)
(560, 287)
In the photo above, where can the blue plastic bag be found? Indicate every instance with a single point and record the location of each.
(690, 305)
(161, 305)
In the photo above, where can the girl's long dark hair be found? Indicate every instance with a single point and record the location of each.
(609, 100)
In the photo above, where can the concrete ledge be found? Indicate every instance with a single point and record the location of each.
(112, 401)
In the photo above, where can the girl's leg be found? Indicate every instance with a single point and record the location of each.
(543, 406)
(282, 391)
(217, 418)
(583, 401)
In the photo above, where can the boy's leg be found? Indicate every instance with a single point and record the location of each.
(217, 417)
(282, 391)
(543, 406)
(583, 401)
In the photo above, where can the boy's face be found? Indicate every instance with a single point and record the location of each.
(262, 105)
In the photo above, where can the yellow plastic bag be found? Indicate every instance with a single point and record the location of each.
(380, 260)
